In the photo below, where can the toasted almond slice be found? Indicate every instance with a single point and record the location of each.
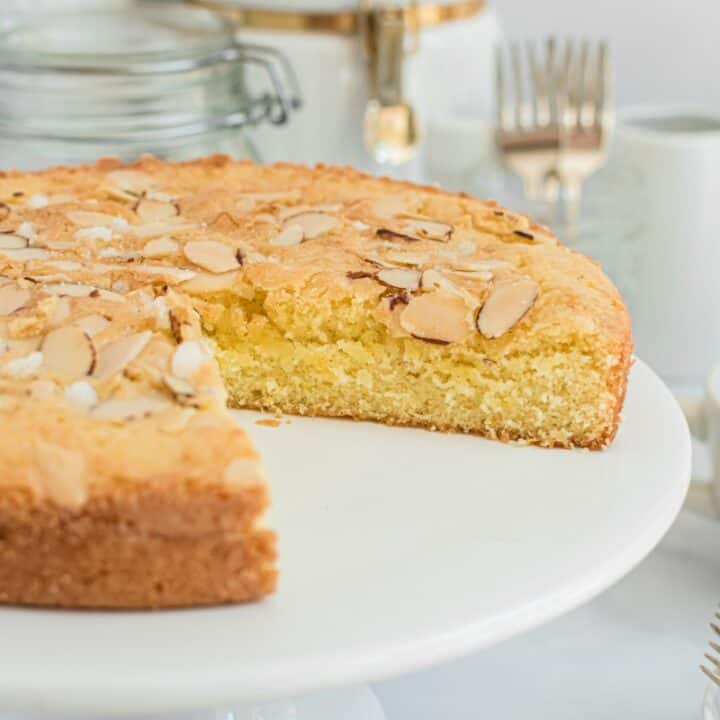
(24, 254)
(167, 273)
(437, 317)
(428, 229)
(484, 275)
(407, 257)
(42, 388)
(92, 324)
(180, 388)
(64, 265)
(131, 181)
(94, 233)
(12, 241)
(69, 289)
(165, 227)
(155, 210)
(506, 306)
(117, 355)
(389, 206)
(393, 235)
(160, 247)
(479, 265)
(68, 351)
(289, 212)
(89, 219)
(120, 410)
(12, 298)
(289, 235)
(313, 224)
(403, 278)
(213, 255)
(205, 282)
(434, 280)
(61, 312)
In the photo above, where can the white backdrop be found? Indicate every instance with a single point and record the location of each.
(664, 51)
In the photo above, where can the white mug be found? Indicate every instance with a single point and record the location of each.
(703, 417)
(676, 153)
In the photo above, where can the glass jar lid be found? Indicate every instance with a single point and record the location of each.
(152, 37)
(140, 73)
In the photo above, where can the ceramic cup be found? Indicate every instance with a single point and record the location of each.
(676, 153)
(704, 419)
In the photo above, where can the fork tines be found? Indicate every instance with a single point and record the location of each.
(713, 672)
(551, 83)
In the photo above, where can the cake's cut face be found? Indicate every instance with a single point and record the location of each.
(132, 299)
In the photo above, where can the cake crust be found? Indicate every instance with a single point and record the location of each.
(134, 298)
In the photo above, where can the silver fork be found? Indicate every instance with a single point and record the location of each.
(713, 672)
(553, 117)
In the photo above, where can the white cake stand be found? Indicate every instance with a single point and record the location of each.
(400, 548)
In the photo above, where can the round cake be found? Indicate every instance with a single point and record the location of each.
(137, 301)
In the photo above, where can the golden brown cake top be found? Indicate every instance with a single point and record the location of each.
(104, 269)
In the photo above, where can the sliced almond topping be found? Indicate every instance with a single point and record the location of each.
(428, 229)
(12, 298)
(61, 312)
(506, 306)
(213, 255)
(407, 257)
(290, 235)
(61, 474)
(167, 273)
(480, 265)
(68, 351)
(131, 181)
(392, 235)
(69, 289)
(92, 324)
(166, 227)
(11, 241)
(437, 317)
(155, 210)
(389, 206)
(160, 247)
(313, 224)
(403, 278)
(484, 275)
(115, 356)
(24, 254)
(434, 280)
(89, 219)
(119, 410)
(64, 265)
(289, 212)
(205, 282)
(180, 388)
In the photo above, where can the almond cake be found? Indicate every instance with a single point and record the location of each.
(137, 301)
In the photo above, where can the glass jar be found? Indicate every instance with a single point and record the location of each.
(156, 78)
